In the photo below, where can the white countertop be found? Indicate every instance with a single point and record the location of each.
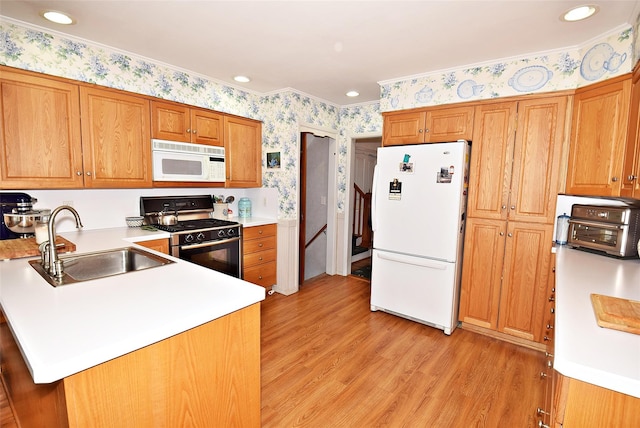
(254, 221)
(67, 329)
(583, 350)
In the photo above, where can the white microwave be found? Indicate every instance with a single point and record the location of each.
(174, 161)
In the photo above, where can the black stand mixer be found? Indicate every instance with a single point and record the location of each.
(18, 216)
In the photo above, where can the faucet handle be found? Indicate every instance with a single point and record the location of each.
(44, 254)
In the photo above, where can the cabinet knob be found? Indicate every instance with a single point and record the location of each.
(260, 258)
(188, 129)
(513, 207)
(194, 131)
(631, 177)
(541, 412)
(426, 130)
(551, 299)
(543, 375)
(548, 354)
(542, 425)
(501, 233)
(504, 207)
(614, 179)
(546, 338)
(260, 244)
(259, 276)
(78, 173)
(89, 173)
(509, 234)
(260, 232)
(549, 327)
(552, 310)
(420, 131)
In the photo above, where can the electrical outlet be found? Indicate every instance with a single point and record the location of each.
(323, 200)
(70, 203)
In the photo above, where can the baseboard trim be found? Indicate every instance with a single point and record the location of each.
(504, 337)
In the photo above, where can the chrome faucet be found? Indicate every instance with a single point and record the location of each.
(53, 265)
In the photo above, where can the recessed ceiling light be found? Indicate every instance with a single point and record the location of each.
(579, 13)
(353, 93)
(242, 79)
(57, 17)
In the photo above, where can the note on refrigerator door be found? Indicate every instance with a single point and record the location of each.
(395, 190)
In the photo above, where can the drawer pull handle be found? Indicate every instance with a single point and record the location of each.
(541, 412)
(260, 232)
(260, 244)
(260, 258)
(259, 276)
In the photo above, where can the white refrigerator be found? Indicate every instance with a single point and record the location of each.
(418, 217)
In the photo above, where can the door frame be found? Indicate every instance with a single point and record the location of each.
(332, 206)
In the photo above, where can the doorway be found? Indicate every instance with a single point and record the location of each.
(316, 225)
(364, 160)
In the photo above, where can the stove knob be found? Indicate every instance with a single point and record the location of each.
(188, 238)
(200, 237)
(231, 232)
(221, 234)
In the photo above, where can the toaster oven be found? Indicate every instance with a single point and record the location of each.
(609, 230)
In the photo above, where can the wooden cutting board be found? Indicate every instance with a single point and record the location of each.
(27, 247)
(617, 313)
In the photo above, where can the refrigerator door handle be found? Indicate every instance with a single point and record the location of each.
(374, 198)
(432, 264)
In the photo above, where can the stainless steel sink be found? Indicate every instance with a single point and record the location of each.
(88, 266)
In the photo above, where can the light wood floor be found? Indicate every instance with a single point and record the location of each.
(328, 361)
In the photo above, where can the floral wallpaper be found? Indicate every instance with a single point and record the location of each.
(553, 71)
(53, 53)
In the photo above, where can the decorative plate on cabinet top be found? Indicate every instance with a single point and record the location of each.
(593, 62)
(530, 78)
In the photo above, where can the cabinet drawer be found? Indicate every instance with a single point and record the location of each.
(255, 232)
(259, 257)
(264, 274)
(266, 243)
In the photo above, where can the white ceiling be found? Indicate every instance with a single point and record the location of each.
(325, 48)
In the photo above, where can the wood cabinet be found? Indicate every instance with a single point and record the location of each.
(514, 173)
(598, 138)
(40, 139)
(259, 254)
(578, 404)
(116, 146)
(45, 143)
(630, 185)
(243, 151)
(206, 376)
(160, 245)
(430, 125)
(178, 122)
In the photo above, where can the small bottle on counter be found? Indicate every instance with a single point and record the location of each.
(244, 208)
(42, 231)
(562, 229)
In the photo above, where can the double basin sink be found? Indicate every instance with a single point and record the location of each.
(101, 264)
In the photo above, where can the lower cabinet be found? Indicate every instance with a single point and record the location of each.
(206, 376)
(160, 245)
(504, 277)
(259, 254)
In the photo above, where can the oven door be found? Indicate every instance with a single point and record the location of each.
(223, 256)
(609, 238)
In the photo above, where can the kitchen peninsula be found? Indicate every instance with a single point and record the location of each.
(168, 346)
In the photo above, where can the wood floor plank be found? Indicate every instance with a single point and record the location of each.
(334, 363)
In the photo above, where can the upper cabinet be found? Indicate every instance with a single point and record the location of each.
(178, 122)
(40, 133)
(598, 138)
(631, 169)
(243, 152)
(116, 148)
(430, 125)
(515, 159)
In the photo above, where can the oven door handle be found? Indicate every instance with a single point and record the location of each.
(209, 243)
(598, 224)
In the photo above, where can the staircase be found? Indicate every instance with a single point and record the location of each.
(362, 239)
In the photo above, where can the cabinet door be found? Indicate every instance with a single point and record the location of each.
(115, 139)
(243, 152)
(536, 159)
(525, 279)
(598, 134)
(491, 160)
(449, 124)
(206, 127)
(481, 272)
(170, 122)
(40, 142)
(160, 245)
(403, 128)
(630, 186)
